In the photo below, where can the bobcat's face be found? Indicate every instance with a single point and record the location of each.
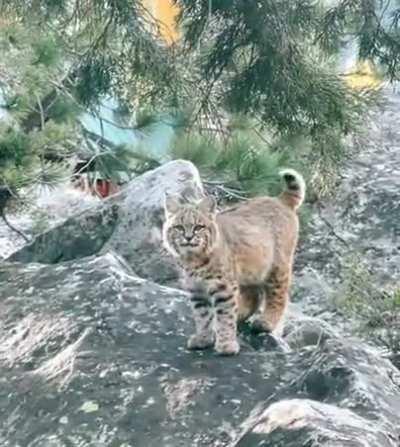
(190, 229)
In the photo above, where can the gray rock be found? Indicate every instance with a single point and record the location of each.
(79, 236)
(364, 211)
(129, 223)
(303, 422)
(344, 395)
(360, 223)
(43, 209)
(91, 354)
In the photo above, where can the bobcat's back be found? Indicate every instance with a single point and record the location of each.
(260, 234)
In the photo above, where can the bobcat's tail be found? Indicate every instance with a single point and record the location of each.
(295, 188)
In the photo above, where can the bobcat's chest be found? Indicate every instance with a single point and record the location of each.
(200, 279)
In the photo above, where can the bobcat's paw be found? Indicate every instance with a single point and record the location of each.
(200, 341)
(227, 347)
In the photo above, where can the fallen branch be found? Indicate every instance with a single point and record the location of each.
(5, 195)
(11, 227)
(333, 231)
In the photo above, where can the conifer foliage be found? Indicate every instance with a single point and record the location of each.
(39, 131)
(272, 60)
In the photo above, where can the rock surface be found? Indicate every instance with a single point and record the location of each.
(43, 209)
(129, 223)
(363, 216)
(90, 354)
(303, 422)
(358, 228)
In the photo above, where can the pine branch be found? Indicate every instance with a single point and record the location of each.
(5, 196)
(14, 229)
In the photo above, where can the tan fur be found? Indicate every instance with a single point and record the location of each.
(240, 260)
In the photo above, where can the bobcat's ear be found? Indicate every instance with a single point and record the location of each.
(208, 205)
(171, 204)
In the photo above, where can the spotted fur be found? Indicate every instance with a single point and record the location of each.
(236, 261)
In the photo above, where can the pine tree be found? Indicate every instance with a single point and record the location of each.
(270, 60)
(80, 52)
(31, 152)
(29, 147)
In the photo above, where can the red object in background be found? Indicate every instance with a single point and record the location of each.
(105, 188)
(102, 188)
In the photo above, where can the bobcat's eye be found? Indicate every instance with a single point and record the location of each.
(179, 228)
(198, 228)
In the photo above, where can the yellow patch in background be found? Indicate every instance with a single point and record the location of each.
(364, 76)
(165, 12)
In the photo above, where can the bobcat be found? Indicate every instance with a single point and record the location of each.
(236, 261)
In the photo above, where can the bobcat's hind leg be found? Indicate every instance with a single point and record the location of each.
(276, 300)
(248, 301)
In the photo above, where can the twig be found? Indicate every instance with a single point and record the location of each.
(260, 135)
(225, 189)
(42, 118)
(9, 225)
(330, 226)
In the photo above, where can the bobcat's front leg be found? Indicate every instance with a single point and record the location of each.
(203, 319)
(225, 300)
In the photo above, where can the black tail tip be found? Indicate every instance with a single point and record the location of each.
(289, 178)
(291, 182)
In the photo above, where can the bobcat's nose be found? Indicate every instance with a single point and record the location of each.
(188, 238)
